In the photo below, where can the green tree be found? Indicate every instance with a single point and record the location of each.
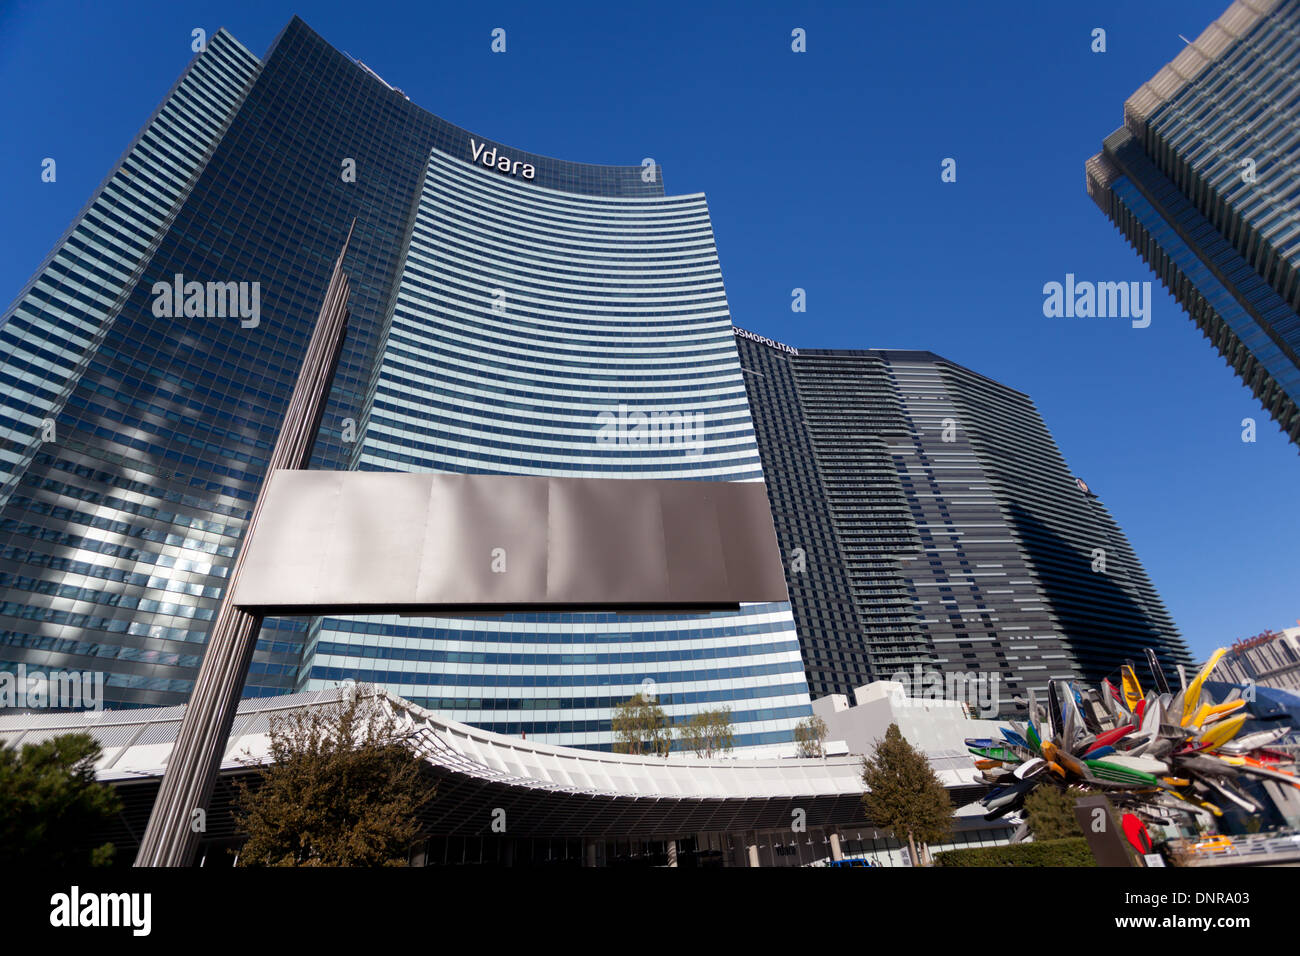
(1050, 813)
(810, 737)
(51, 805)
(344, 789)
(640, 727)
(708, 733)
(904, 796)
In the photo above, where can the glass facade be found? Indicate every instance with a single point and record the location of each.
(110, 559)
(939, 526)
(831, 606)
(1201, 181)
(119, 529)
(547, 332)
(510, 314)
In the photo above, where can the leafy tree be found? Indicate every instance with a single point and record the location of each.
(640, 727)
(50, 804)
(810, 737)
(708, 732)
(1050, 813)
(343, 790)
(904, 795)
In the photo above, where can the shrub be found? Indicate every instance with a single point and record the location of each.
(1071, 852)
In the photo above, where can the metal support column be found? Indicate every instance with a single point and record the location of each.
(169, 839)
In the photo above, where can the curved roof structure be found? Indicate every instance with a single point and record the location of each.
(544, 789)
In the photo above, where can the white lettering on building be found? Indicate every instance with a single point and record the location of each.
(764, 340)
(489, 157)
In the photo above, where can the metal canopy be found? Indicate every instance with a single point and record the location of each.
(546, 790)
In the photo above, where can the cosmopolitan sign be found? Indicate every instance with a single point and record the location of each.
(764, 340)
(489, 157)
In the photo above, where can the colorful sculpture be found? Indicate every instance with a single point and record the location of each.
(1149, 753)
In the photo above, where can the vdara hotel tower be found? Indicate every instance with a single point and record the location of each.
(511, 314)
(930, 524)
(1203, 179)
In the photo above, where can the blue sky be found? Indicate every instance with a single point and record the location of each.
(822, 171)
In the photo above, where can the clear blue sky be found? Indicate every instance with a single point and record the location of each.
(822, 172)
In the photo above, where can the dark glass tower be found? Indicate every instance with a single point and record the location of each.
(939, 526)
(506, 308)
(1202, 181)
(117, 535)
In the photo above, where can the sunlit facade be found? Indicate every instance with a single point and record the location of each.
(543, 331)
(510, 314)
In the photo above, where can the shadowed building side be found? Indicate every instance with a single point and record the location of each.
(938, 502)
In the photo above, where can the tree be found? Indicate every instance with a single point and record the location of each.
(343, 790)
(708, 732)
(904, 795)
(51, 804)
(1049, 813)
(810, 736)
(640, 727)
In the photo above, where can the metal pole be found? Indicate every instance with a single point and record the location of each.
(187, 784)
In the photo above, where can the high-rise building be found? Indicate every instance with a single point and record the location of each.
(1201, 180)
(927, 518)
(511, 314)
(1271, 659)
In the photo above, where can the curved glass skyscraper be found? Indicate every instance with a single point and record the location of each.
(511, 314)
(544, 331)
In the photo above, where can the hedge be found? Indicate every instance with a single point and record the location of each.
(1069, 852)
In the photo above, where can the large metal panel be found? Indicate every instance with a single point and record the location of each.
(338, 542)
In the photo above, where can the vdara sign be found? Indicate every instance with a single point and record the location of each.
(489, 157)
(764, 340)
